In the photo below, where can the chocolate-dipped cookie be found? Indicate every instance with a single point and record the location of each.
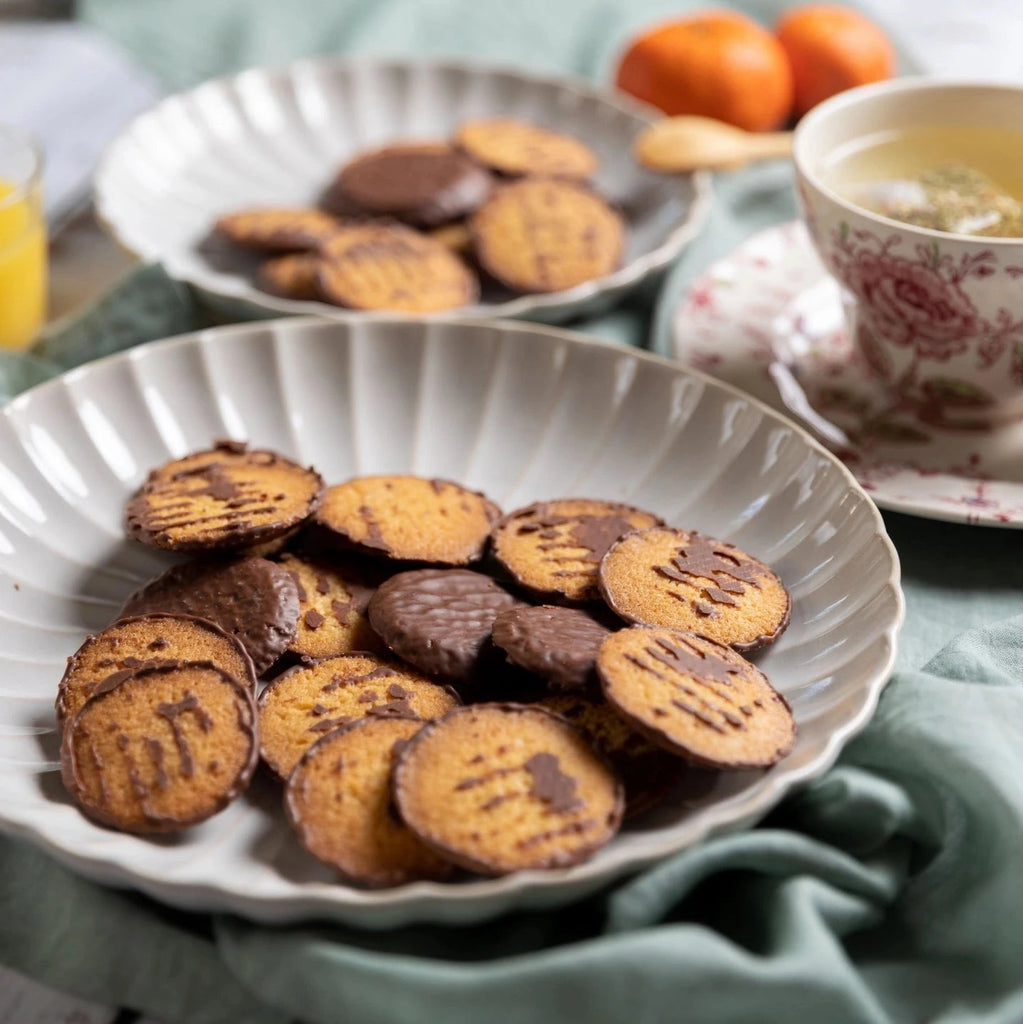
(332, 600)
(165, 748)
(648, 771)
(107, 657)
(516, 148)
(338, 800)
(440, 620)
(686, 580)
(407, 518)
(423, 184)
(498, 788)
(277, 229)
(554, 548)
(391, 267)
(295, 275)
(252, 599)
(695, 697)
(226, 498)
(543, 235)
(305, 703)
(558, 644)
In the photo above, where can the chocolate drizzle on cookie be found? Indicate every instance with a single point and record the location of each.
(702, 558)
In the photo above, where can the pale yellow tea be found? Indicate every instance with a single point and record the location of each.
(958, 178)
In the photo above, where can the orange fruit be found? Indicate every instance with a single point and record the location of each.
(832, 48)
(716, 64)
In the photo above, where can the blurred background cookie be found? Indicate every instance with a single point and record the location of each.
(545, 235)
(294, 275)
(514, 148)
(277, 229)
(388, 266)
(423, 184)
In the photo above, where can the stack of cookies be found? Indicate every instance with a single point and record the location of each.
(415, 227)
(439, 686)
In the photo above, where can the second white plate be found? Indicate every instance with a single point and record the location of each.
(276, 137)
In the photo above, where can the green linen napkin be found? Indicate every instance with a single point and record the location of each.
(887, 891)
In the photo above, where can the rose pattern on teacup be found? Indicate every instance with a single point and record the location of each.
(920, 326)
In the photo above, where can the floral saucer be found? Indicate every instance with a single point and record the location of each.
(769, 319)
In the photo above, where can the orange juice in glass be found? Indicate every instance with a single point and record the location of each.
(22, 240)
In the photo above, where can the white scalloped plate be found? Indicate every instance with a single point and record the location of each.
(520, 412)
(278, 136)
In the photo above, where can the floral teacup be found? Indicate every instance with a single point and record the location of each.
(937, 317)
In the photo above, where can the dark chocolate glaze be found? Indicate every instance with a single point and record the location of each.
(423, 185)
(252, 599)
(558, 644)
(440, 620)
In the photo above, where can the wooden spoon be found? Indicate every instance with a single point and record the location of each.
(679, 144)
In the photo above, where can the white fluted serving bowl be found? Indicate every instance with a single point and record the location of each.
(521, 412)
(278, 136)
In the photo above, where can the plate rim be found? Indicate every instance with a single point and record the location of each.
(423, 902)
(620, 280)
(893, 503)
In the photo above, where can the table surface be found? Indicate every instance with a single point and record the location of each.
(943, 36)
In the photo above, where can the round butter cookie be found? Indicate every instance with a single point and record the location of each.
(407, 518)
(686, 580)
(554, 548)
(108, 657)
(252, 599)
(338, 799)
(498, 788)
(440, 620)
(543, 235)
(168, 747)
(648, 771)
(695, 697)
(516, 148)
(332, 600)
(304, 703)
(295, 275)
(225, 498)
(558, 644)
(424, 184)
(277, 229)
(390, 267)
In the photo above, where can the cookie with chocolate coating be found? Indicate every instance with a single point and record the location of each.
(421, 183)
(407, 518)
(558, 644)
(544, 235)
(295, 275)
(277, 229)
(514, 148)
(332, 600)
(338, 799)
(167, 747)
(391, 267)
(695, 697)
(498, 788)
(687, 580)
(554, 548)
(647, 771)
(440, 620)
(228, 497)
(305, 703)
(110, 656)
(252, 599)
